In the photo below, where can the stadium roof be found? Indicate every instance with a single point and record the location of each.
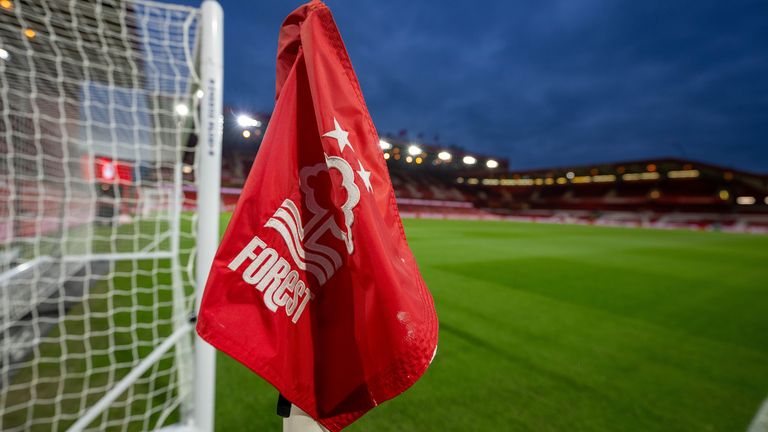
(639, 162)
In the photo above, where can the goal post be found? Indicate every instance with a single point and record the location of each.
(209, 197)
(110, 154)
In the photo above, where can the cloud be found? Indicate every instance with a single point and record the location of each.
(545, 83)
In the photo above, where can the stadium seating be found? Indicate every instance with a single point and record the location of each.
(663, 193)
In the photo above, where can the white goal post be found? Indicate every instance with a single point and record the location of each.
(110, 156)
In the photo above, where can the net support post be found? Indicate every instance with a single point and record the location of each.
(208, 196)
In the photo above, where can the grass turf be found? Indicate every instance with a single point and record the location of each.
(554, 327)
(543, 327)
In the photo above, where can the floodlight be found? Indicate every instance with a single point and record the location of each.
(414, 150)
(182, 110)
(247, 121)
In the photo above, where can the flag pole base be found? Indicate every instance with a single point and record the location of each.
(299, 421)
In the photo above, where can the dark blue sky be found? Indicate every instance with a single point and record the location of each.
(545, 82)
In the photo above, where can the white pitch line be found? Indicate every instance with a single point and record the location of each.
(760, 422)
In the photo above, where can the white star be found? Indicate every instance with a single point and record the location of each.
(366, 176)
(341, 136)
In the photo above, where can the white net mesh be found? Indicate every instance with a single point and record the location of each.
(96, 158)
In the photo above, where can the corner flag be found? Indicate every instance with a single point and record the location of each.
(314, 287)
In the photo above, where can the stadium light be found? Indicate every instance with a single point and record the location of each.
(409, 159)
(745, 200)
(384, 145)
(641, 176)
(4, 55)
(683, 174)
(246, 121)
(603, 178)
(246, 133)
(414, 150)
(182, 110)
(444, 156)
(492, 164)
(469, 160)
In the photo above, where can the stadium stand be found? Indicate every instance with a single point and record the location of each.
(662, 193)
(434, 181)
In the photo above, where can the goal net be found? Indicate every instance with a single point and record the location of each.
(99, 103)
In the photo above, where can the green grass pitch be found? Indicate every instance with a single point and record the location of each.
(542, 328)
(577, 328)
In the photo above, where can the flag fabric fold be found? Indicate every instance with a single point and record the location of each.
(314, 287)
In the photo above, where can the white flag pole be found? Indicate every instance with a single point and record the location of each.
(299, 421)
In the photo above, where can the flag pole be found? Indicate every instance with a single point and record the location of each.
(295, 419)
(299, 421)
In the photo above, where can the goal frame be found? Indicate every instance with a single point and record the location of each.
(209, 197)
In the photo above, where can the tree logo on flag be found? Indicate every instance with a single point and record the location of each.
(304, 243)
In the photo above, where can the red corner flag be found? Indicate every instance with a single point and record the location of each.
(314, 287)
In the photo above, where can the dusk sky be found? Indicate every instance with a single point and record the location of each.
(546, 83)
